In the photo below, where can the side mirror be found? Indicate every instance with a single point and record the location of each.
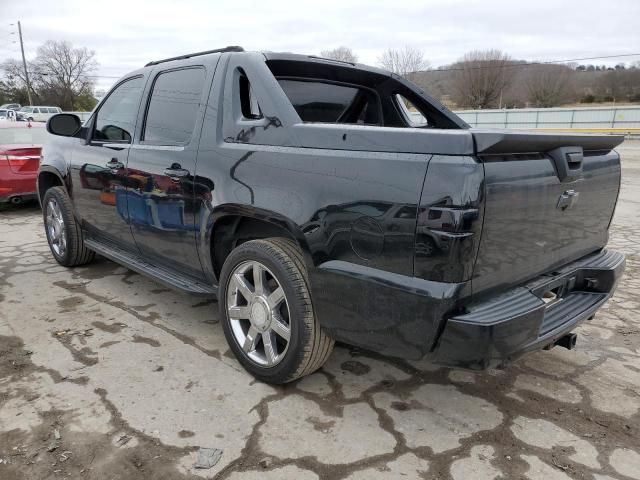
(64, 124)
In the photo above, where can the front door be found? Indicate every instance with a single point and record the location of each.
(161, 167)
(99, 165)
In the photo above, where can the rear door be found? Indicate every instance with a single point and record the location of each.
(98, 165)
(162, 165)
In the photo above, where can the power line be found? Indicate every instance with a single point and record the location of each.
(37, 72)
(526, 64)
(83, 76)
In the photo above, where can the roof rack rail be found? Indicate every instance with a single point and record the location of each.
(231, 48)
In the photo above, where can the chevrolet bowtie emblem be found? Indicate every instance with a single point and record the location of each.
(567, 199)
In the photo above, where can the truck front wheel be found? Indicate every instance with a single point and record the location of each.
(64, 234)
(266, 311)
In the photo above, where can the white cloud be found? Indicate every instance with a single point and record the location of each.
(126, 34)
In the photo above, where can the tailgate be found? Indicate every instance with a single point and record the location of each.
(549, 199)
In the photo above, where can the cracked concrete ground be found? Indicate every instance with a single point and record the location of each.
(105, 374)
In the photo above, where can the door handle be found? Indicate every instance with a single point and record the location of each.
(114, 164)
(176, 171)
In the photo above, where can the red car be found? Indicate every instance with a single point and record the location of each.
(20, 146)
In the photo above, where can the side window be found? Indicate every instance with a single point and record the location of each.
(410, 112)
(173, 107)
(116, 118)
(52, 110)
(248, 102)
(317, 101)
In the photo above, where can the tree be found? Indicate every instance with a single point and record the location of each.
(62, 72)
(15, 83)
(60, 76)
(406, 62)
(481, 78)
(343, 54)
(548, 85)
(5, 93)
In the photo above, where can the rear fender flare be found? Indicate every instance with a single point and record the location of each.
(207, 233)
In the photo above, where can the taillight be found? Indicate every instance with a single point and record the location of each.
(16, 161)
(22, 160)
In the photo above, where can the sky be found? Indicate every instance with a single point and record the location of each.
(127, 34)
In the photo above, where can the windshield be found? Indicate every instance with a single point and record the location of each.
(26, 109)
(23, 135)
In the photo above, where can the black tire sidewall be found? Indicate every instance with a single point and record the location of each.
(60, 198)
(281, 372)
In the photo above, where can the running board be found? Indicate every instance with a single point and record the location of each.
(160, 274)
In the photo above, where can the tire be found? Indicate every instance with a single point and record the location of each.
(308, 347)
(30, 119)
(64, 235)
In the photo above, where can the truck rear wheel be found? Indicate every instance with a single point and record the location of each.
(266, 311)
(64, 235)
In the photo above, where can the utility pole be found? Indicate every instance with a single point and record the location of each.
(24, 64)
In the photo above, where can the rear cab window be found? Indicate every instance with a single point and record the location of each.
(318, 101)
(327, 91)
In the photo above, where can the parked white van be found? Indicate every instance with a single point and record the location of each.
(37, 114)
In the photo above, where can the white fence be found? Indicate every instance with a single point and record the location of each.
(589, 117)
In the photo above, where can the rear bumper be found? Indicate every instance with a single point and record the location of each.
(13, 185)
(8, 197)
(500, 329)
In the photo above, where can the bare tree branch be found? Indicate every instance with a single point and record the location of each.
(481, 77)
(548, 85)
(61, 72)
(60, 76)
(343, 54)
(405, 62)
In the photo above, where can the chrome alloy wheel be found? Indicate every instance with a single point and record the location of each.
(55, 228)
(258, 313)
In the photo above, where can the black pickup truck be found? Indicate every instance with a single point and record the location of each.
(323, 201)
